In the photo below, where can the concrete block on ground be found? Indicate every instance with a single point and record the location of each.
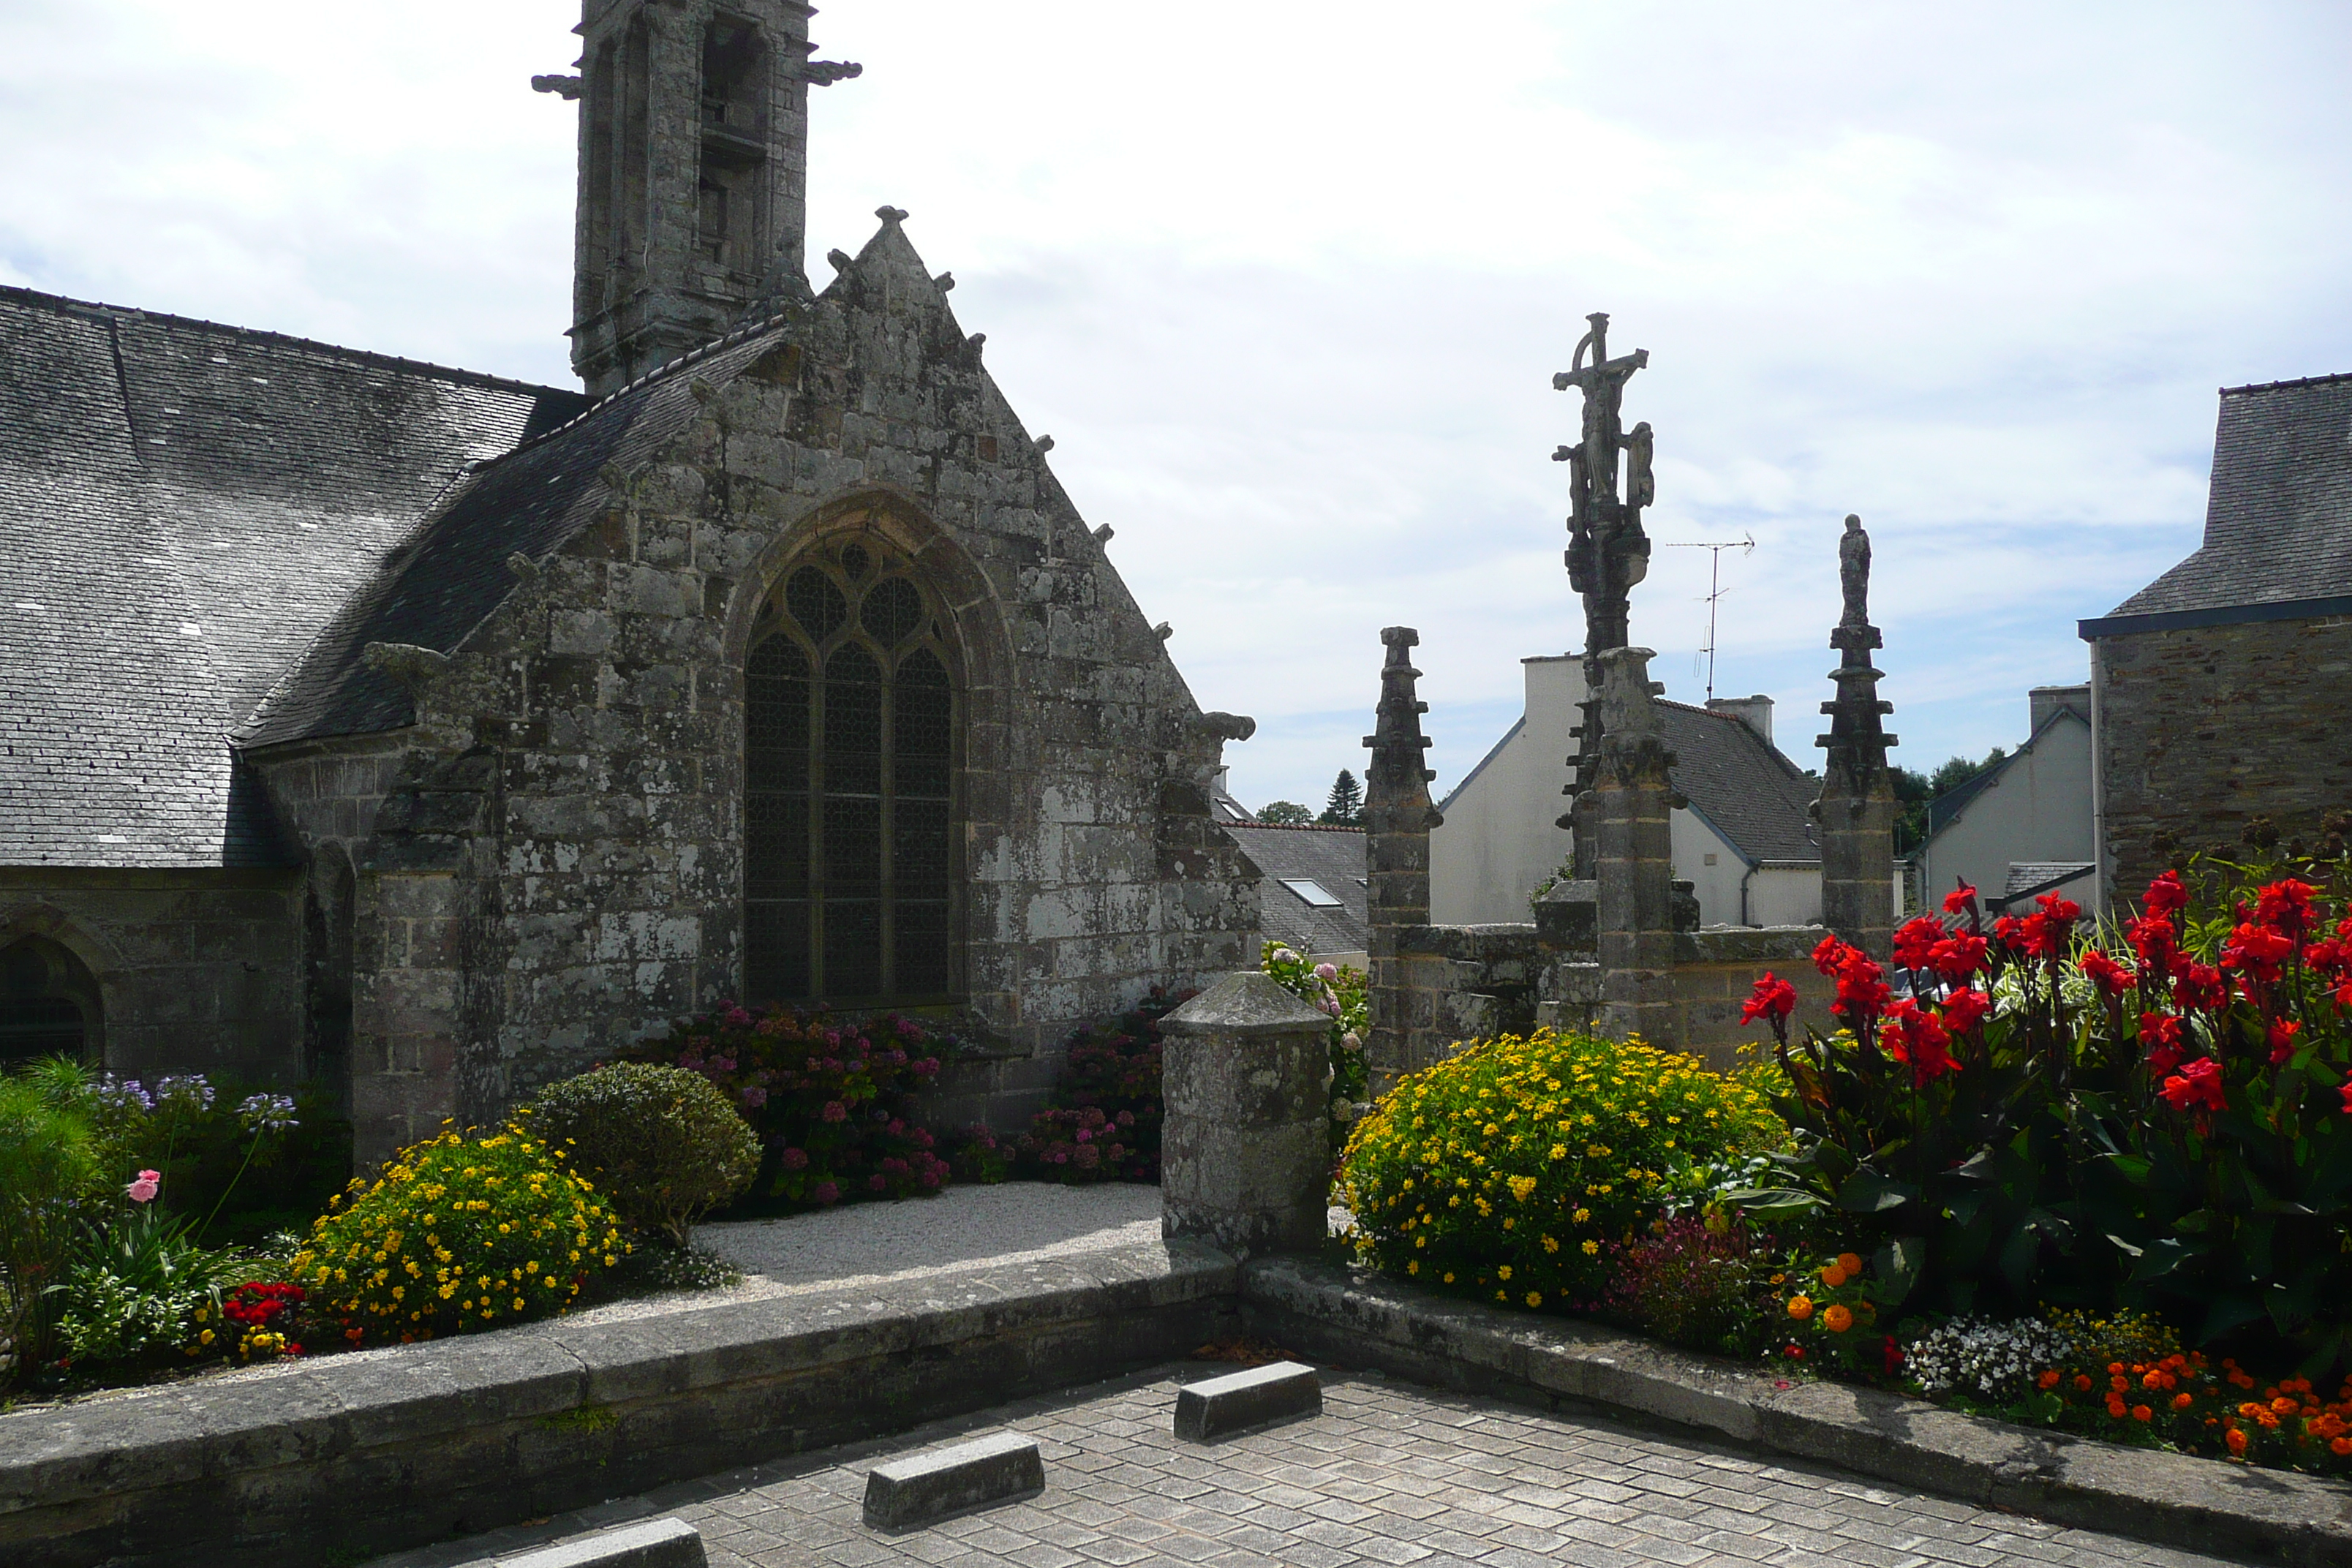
(923, 1488)
(654, 1543)
(1243, 1400)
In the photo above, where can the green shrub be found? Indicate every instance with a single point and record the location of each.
(662, 1144)
(45, 1162)
(1508, 1169)
(462, 1232)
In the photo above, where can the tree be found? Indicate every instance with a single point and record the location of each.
(1285, 813)
(1346, 807)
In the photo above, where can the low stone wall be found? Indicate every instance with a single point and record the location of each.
(374, 1452)
(1465, 983)
(1715, 971)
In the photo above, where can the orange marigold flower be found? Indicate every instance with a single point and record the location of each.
(1850, 1262)
(2114, 1369)
(1801, 1307)
(2047, 1380)
(2119, 1384)
(2116, 1406)
(2237, 1441)
(2082, 1382)
(1832, 1276)
(1837, 1319)
(2182, 1400)
(2283, 1405)
(2142, 1413)
(2340, 1446)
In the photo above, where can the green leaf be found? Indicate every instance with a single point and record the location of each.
(1867, 1192)
(1773, 1203)
(2125, 1247)
(2131, 1167)
(2227, 1312)
(1899, 1264)
(2159, 1257)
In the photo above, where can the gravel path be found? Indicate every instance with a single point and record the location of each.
(874, 1243)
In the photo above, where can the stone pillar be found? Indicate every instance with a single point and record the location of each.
(1245, 1159)
(1632, 802)
(1398, 816)
(1856, 808)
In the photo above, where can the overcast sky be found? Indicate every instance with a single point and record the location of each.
(1286, 281)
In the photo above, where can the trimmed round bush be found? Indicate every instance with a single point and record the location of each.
(461, 1233)
(1509, 1170)
(663, 1143)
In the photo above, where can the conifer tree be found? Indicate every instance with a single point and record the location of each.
(1346, 807)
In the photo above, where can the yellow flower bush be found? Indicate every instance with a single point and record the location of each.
(1503, 1170)
(461, 1233)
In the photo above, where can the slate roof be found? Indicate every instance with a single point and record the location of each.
(183, 506)
(2027, 877)
(1331, 857)
(2278, 520)
(1741, 784)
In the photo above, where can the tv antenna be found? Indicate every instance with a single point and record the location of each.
(1745, 545)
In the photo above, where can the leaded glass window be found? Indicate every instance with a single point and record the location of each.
(850, 720)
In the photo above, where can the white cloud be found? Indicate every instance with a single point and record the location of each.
(1288, 281)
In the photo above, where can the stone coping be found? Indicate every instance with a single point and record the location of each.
(269, 1461)
(1357, 1318)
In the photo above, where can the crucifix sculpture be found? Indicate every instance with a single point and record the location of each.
(1607, 550)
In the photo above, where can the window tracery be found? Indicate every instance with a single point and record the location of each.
(851, 734)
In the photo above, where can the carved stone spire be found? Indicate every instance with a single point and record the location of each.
(1856, 808)
(1607, 552)
(1398, 816)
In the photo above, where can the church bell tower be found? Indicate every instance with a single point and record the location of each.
(693, 173)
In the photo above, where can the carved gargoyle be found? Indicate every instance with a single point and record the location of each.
(411, 666)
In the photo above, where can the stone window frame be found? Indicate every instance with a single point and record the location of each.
(859, 561)
(79, 969)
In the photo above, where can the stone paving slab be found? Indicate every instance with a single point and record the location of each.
(1390, 1473)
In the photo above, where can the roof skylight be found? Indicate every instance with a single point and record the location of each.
(1311, 893)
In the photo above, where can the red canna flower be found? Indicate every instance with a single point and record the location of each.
(2197, 1084)
(2166, 896)
(2112, 978)
(2199, 987)
(1831, 955)
(2280, 1037)
(2009, 931)
(2347, 1092)
(2285, 906)
(1958, 956)
(2156, 942)
(1916, 941)
(1772, 1000)
(1918, 1038)
(1960, 899)
(1964, 1010)
(2063, 910)
(2257, 951)
(2327, 957)
(2159, 1037)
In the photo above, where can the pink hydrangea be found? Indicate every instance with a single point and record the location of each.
(1327, 972)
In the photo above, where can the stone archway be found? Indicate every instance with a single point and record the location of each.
(49, 1003)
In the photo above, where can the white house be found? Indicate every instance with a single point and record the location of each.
(2023, 825)
(1745, 840)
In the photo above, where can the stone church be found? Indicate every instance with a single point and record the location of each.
(433, 735)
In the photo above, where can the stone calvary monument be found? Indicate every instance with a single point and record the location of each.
(1615, 946)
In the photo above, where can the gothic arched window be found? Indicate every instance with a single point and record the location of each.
(850, 730)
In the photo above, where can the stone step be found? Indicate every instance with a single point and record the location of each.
(652, 1543)
(923, 1488)
(1242, 1401)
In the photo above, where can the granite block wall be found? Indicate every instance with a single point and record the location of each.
(2199, 730)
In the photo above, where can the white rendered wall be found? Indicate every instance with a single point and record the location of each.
(1498, 839)
(2039, 809)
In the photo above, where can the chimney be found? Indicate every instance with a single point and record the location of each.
(1756, 712)
(2048, 699)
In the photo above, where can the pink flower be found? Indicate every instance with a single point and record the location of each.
(144, 1189)
(793, 1159)
(835, 1112)
(825, 1192)
(1327, 972)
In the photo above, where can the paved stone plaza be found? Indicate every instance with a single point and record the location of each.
(1390, 1473)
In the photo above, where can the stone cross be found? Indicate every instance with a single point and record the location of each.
(1608, 553)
